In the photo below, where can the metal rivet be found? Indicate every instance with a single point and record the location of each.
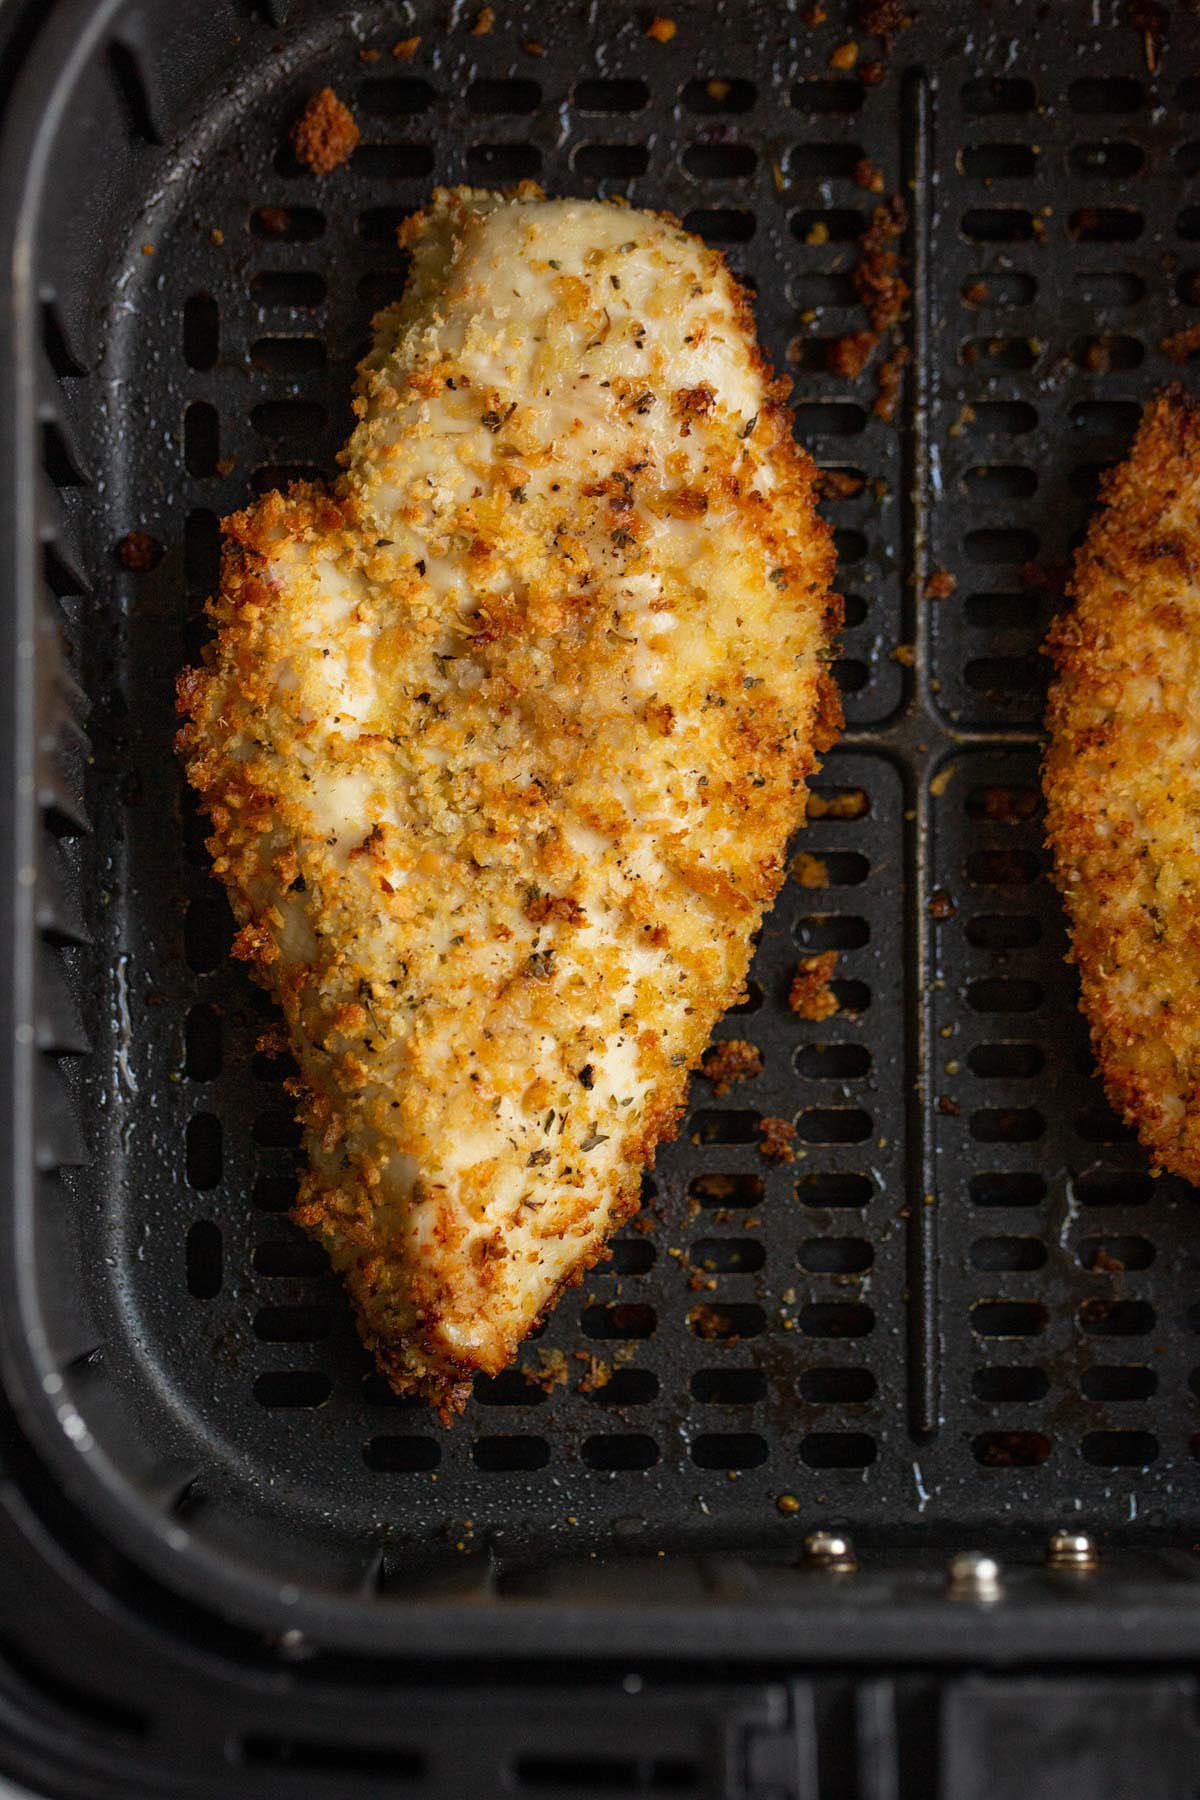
(831, 1551)
(972, 1575)
(1071, 1550)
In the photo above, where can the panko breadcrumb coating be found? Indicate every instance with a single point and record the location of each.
(1122, 781)
(325, 135)
(502, 743)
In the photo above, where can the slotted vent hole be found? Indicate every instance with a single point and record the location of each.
(838, 1450)
(834, 1386)
(836, 1255)
(201, 331)
(204, 1257)
(1120, 1449)
(1010, 1384)
(510, 1454)
(402, 1455)
(1011, 1449)
(1118, 1381)
(603, 1774)
(998, 162)
(728, 1256)
(290, 1389)
(729, 1387)
(626, 1387)
(633, 1450)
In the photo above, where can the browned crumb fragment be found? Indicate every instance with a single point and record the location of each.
(941, 906)
(225, 465)
(810, 995)
(661, 30)
(975, 293)
(138, 551)
(731, 1061)
(325, 134)
(849, 354)
(884, 18)
(787, 1503)
(887, 381)
(939, 584)
(542, 909)
(717, 89)
(876, 278)
(1181, 345)
(851, 803)
(406, 48)
(777, 1138)
(843, 57)
(1097, 356)
(868, 175)
(949, 1108)
(1005, 805)
(369, 56)
(1105, 1263)
(274, 220)
(814, 16)
(596, 1375)
(148, 249)
(1149, 18)
(485, 21)
(872, 73)
(531, 47)
(272, 1042)
(551, 1372)
(217, 235)
(838, 484)
(810, 871)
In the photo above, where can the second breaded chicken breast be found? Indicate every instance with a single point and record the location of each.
(1122, 781)
(502, 742)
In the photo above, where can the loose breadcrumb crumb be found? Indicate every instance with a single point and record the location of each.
(843, 57)
(777, 1137)
(884, 18)
(888, 382)
(406, 48)
(810, 994)
(838, 484)
(139, 552)
(810, 871)
(939, 584)
(325, 135)
(1180, 346)
(661, 30)
(849, 354)
(731, 1061)
(485, 21)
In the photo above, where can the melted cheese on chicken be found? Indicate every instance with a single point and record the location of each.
(502, 743)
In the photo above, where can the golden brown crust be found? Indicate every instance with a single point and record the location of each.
(502, 743)
(1122, 781)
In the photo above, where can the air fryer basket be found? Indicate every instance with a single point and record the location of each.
(965, 1315)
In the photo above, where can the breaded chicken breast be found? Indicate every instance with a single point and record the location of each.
(502, 742)
(1122, 780)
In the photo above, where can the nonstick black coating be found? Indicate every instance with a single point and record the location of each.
(964, 1310)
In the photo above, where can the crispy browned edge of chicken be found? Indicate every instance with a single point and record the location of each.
(245, 559)
(1088, 643)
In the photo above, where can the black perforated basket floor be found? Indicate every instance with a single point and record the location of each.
(964, 1312)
